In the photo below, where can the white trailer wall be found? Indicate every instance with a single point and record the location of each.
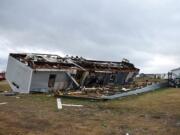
(18, 75)
(40, 80)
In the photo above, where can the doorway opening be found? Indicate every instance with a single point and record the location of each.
(51, 82)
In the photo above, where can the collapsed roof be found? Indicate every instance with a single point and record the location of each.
(55, 62)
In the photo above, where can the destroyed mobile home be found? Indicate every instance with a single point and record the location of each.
(65, 75)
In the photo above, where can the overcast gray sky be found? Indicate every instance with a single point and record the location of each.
(147, 32)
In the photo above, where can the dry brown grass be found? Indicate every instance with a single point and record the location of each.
(4, 86)
(156, 113)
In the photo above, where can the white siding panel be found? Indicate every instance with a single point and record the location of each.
(40, 81)
(18, 75)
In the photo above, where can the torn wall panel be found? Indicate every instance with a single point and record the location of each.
(42, 81)
(18, 75)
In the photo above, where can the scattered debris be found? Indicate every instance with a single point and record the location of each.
(59, 104)
(178, 124)
(10, 94)
(137, 91)
(4, 103)
(124, 89)
(71, 105)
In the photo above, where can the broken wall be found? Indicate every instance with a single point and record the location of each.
(40, 81)
(18, 75)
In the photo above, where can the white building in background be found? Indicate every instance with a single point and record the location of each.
(174, 77)
(175, 73)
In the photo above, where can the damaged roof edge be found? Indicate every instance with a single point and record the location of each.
(51, 62)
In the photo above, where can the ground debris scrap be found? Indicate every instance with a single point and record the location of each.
(3, 103)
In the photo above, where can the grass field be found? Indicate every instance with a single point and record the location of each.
(4, 86)
(155, 113)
